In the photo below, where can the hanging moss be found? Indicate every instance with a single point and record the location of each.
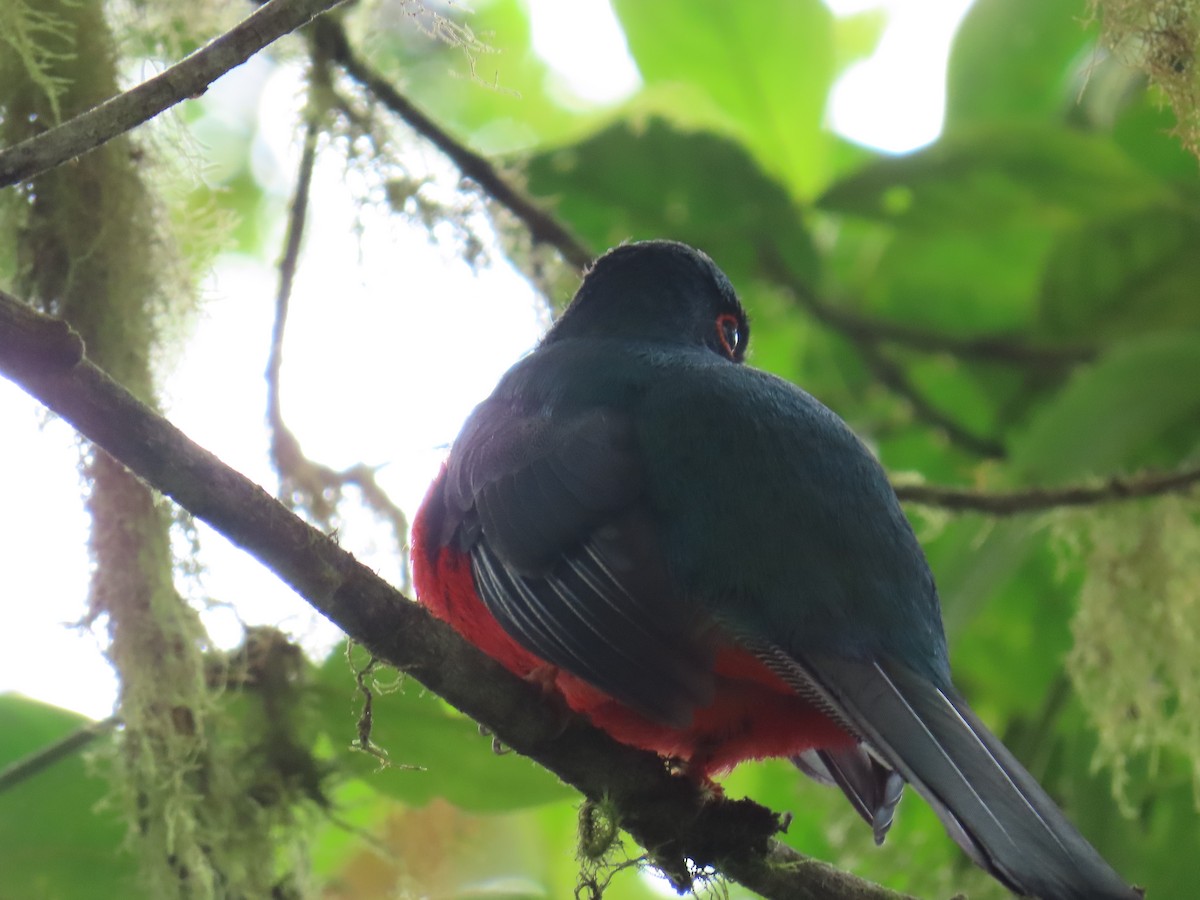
(39, 41)
(1160, 37)
(211, 795)
(1136, 659)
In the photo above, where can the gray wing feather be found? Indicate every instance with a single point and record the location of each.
(873, 788)
(989, 804)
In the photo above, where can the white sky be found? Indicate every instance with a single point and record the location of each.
(354, 306)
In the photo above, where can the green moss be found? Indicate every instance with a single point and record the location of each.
(1136, 659)
(213, 779)
(1161, 38)
(40, 41)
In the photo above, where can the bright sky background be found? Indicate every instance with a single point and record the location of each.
(354, 305)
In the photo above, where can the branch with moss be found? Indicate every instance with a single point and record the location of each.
(543, 226)
(669, 815)
(186, 79)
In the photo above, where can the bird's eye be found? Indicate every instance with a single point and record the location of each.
(729, 334)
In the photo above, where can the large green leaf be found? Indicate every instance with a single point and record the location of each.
(653, 180)
(985, 177)
(57, 839)
(766, 66)
(961, 282)
(1016, 60)
(416, 729)
(1133, 273)
(1115, 415)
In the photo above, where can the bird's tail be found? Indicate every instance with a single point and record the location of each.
(990, 805)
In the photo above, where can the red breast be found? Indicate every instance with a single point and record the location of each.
(753, 714)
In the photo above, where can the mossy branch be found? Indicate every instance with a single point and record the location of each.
(543, 226)
(669, 815)
(186, 79)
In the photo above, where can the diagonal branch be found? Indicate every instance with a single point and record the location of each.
(892, 375)
(186, 79)
(985, 348)
(543, 226)
(35, 763)
(669, 815)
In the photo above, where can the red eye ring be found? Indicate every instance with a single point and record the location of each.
(729, 334)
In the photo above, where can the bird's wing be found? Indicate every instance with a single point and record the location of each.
(989, 804)
(565, 558)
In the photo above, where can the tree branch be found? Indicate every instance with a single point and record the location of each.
(39, 760)
(986, 348)
(669, 815)
(892, 375)
(543, 226)
(1034, 500)
(188, 78)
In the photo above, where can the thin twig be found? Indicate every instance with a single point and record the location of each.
(673, 816)
(892, 375)
(288, 263)
(986, 348)
(543, 227)
(306, 482)
(1034, 500)
(37, 762)
(188, 78)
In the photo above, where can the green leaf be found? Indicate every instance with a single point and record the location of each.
(1016, 60)
(499, 96)
(766, 66)
(1135, 273)
(416, 728)
(57, 839)
(1137, 406)
(651, 181)
(984, 178)
(961, 282)
(1146, 131)
(1114, 415)
(856, 36)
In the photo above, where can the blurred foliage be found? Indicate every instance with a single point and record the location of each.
(1055, 212)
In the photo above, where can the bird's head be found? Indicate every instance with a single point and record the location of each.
(661, 291)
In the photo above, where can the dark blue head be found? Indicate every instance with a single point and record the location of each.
(660, 291)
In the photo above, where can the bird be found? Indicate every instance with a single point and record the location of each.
(707, 563)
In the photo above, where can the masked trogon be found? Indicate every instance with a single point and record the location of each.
(707, 563)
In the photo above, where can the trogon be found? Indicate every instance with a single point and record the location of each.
(707, 563)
